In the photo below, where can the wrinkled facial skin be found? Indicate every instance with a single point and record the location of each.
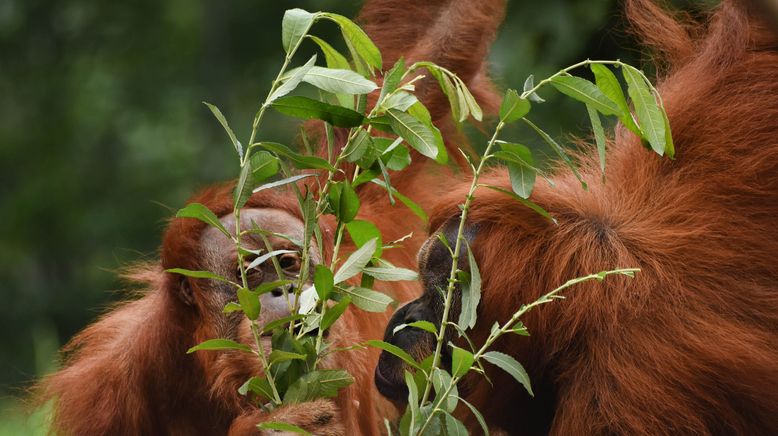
(434, 270)
(219, 255)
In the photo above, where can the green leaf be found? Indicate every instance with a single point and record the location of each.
(317, 384)
(223, 121)
(520, 329)
(559, 151)
(401, 101)
(542, 212)
(202, 213)
(472, 104)
(471, 295)
(323, 281)
(249, 302)
(393, 274)
(258, 385)
(358, 40)
(396, 351)
(511, 366)
(413, 395)
(363, 231)
(599, 135)
(423, 325)
(650, 115)
(278, 356)
(282, 182)
(513, 107)
(528, 85)
(669, 145)
(306, 108)
(333, 57)
(344, 201)
(298, 160)
(294, 26)
(260, 166)
(358, 147)
(358, 259)
(232, 307)
(392, 79)
(219, 344)
(333, 313)
(262, 259)
(415, 132)
(410, 204)
(461, 361)
(609, 85)
(586, 92)
(282, 427)
(368, 299)
(281, 322)
(478, 416)
(520, 168)
(294, 79)
(198, 274)
(349, 203)
(339, 81)
(441, 380)
(454, 427)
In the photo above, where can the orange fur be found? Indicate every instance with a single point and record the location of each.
(129, 373)
(690, 345)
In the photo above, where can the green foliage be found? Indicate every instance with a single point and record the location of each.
(125, 99)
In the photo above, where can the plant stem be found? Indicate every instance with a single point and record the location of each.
(547, 80)
(455, 260)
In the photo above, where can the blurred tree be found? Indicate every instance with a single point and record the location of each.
(102, 133)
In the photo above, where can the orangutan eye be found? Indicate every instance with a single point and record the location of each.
(289, 262)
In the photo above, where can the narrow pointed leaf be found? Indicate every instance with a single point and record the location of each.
(599, 135)
(219, 344)
(528, 85)
(202, 213)
(396, 351)
(416, 133)
(294, 26)
(356, 261)
(542, 212)
(198, 274)
(650, 115)
(333, 313)
(511, 366)
(368, 299)
(306, 108)
(610, 86)
(332, 57)
(282, 182)
(357, 39)
(391, 274)
(223, 121)
(298, 160)
(471, 295)
(285, 427)
(559, 151)
(249, 302)
(339, 81)
(317, 384)
(294, 79)
(513, 107)
(586, 92)
(323, 281)
(461, 361)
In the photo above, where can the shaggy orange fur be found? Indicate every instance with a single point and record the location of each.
(690, 345)
(129, 372)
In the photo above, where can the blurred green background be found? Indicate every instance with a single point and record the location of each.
(102, 136)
